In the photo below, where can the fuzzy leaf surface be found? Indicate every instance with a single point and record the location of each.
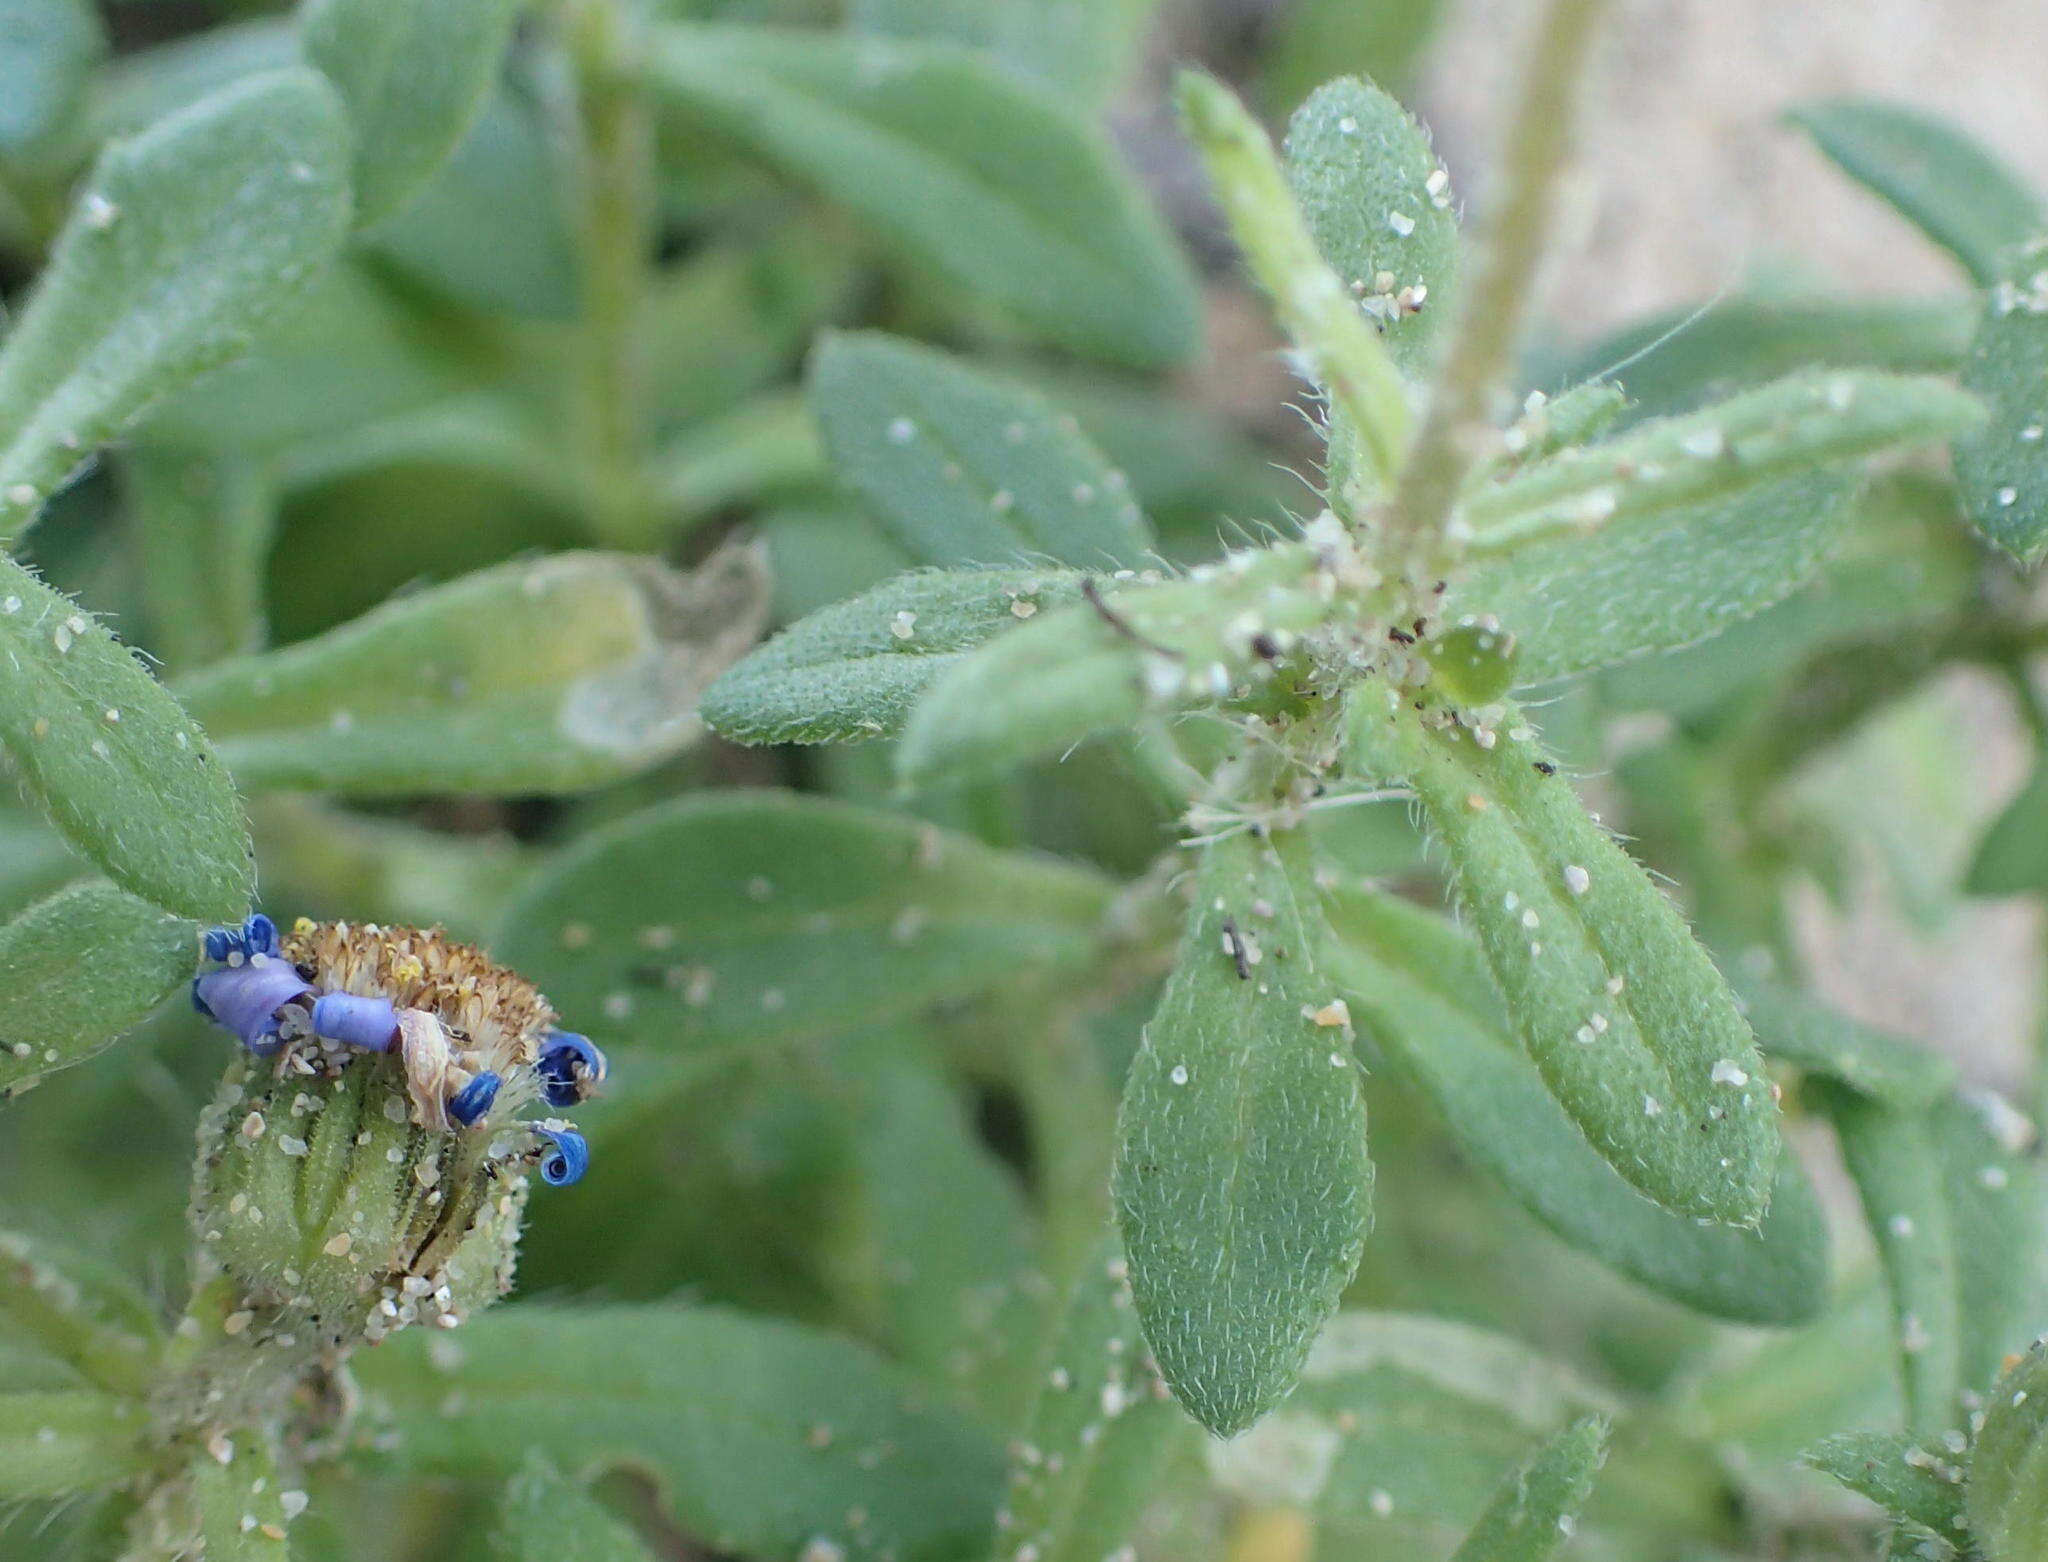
(2002, 467)
(2007, 1495)
(1537, 1506)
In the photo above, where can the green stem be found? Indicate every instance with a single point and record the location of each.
(616, 234)
(1489, 328)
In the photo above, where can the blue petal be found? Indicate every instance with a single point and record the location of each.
(568, 1064)
(474, 1099)
(567, 1161)
(259, 935)
(220, 942)
(368, 1023)
(246, 999)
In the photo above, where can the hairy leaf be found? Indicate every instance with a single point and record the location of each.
(49, 50)
(1801, 1030)
(1096, 1441)
(533, 676)
(413, 75)
(1536, 1508)
(1947, 185)
(956, 164)
(545, 1518)
(764, 1436)
(854, 670)
(181, 245)
(1422, 991)
(62, 1441)
(116, 763)
(1380, 206)
(963, 467)
(77, 970)
(239, 1503)
(2007, 1495)
(1242, 1182)
(2002, 467)
(81, 1312)
(1905, 1479)
(1624, 1015)
(743, 916)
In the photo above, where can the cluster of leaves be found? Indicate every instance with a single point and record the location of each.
(390, 289)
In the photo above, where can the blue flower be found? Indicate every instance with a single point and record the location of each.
(567, 1161)
(253, 985)
(569, 1064)
(474, 1099)
(368, 1023)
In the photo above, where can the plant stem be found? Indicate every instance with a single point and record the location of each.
(615, 232)
(1489, 328)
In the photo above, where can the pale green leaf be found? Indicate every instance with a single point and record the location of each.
(239, 1502)
(116, 763)
(81, 1312)
(182, 243)
(1385, 42)
(744, 916)
(2007, 1494)
(961, 466)
(1421, 990)
(541, 676)
(1083, 48)
(1948, 185)
(753, 451)
(763, 1436)
(1096, 1442)
(958, 166)
(1380, 207)
(1632, 1028)
(77, 970)
(2012, 856)
(137, 89)
(1746, 442)
(62, 1441)
(1574, 604)
(1905, 1479)
(202, 524)
(1536, 1508)
(1820, 1040)
(853, 670)
(545, 1518)
(49, 50)
(1242, 1182)
(1093, 667)
(413, 75)
(2002, 468)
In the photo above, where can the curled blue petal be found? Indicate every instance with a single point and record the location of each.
(569, 1064)
(259, 936)
(220, 942)
(567, 1161)
(368, 1023)
(474, 1099)
(247, 998)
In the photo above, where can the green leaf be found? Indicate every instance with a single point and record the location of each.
(49, 50)
(1678, 361)
(1096, 1442)
(544, 1518)
(1949, 186)
(413, 75)
(1098, 666)
(1581, 603)
(2002, 468)
(1746, 442)
(182, 244)
(1401, 1431)
(1537, 1507)
(853, 671)
(141, 87)
(2012, 857)
(1380, 206)
(1421, 990)
(1316, 37)
(764, 1436)
(729, 918)
(1083, 50)
(1792, 1026)
(116, 764)
(63, 1441)
(79, 969)
(81, 1312)
(2007, 1494)
(1896, 1473)
(963, 467)
(959, 167)
(202, 525)
(239, 1503)
(1242, 1183)
(534, 676)
(1632, 1028)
